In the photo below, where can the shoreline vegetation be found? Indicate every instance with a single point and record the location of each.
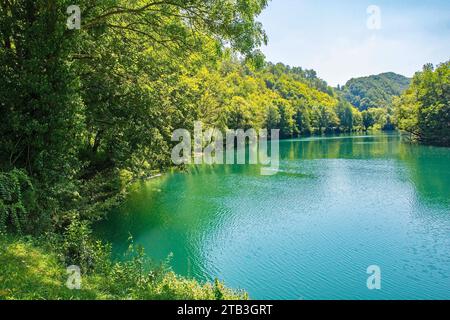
(86, 112)
(31, 272)
(423, 110)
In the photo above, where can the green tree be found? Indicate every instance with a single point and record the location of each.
(424, 109)
(345, 113)
(367, 119)
(302, 119)
(324, 118)
(273, 118)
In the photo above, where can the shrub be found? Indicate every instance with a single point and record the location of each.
(13, 210)
(78, 247)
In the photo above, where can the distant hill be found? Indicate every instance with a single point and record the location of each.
(374, 91)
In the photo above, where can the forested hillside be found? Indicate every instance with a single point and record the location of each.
(235, 95)
(375, 91)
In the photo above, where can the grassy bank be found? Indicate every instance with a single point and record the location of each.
(30, 269)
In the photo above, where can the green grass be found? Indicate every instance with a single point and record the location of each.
(28, 271)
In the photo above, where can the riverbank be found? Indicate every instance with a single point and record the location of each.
(33, 270)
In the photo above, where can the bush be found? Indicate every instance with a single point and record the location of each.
(13, 186)
(78, 247)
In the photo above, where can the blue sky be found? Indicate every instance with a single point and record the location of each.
(332, 37)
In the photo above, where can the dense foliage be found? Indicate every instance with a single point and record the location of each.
(375, 91)
(423, 110)
(13, 185)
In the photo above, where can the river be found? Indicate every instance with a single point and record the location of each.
(338, 205)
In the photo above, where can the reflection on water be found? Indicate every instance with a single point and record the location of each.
(338, 205)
